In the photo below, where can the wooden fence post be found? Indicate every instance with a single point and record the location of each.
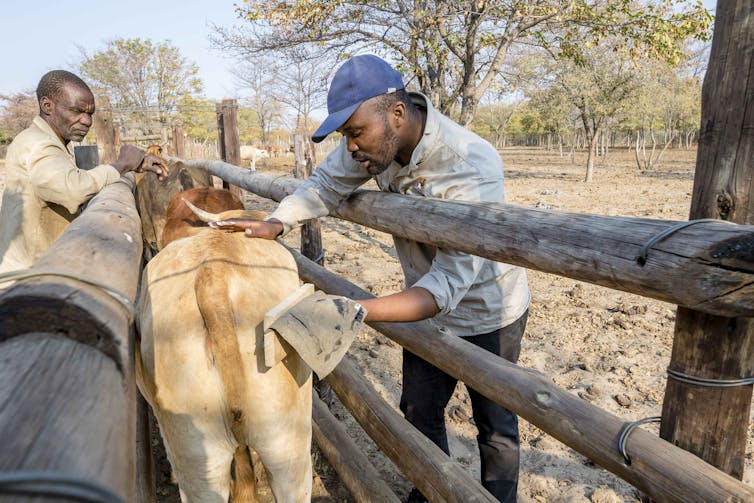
(104, 129)
(116, 137)
(230, 144)
(179, 143)
(708, 420)
(311, 231)
(66, 377)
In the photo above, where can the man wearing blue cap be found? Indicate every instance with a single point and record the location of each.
(408, 147)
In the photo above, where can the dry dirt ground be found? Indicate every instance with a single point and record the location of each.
(608, 347)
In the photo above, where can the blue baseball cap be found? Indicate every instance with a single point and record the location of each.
(360, 78)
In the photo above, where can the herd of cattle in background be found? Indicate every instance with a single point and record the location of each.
(251, 154)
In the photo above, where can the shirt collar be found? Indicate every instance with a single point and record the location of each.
(44, 126)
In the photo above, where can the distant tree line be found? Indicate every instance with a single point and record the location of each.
(592, 74)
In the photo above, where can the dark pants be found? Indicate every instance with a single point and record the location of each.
(427, 390)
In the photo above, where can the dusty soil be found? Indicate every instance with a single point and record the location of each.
(608, 347)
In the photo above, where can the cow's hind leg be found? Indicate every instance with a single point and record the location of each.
(289, 466)
(200, 461)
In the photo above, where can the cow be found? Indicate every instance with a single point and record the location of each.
(253, 154)
(273, 150)
(154, 195)
(200, 360)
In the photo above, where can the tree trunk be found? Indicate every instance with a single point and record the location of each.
(713, 422)
(593, 141)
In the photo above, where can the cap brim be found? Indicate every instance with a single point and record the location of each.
(333, 122)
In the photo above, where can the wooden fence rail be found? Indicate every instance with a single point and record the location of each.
(421, 461)
(354, 468)
(708, 266)
(663, 471)
(66, 373)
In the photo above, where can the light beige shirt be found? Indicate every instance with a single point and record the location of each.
(475, 295)
(43, 192)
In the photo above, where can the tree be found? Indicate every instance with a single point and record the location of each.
(491, 121)
(198, 118)
(599, 88)
(137, 75)
(255, 76)
(16, 114)
(669, 102)
(454, 49)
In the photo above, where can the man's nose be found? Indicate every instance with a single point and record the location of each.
(351, 145)
(86, 120)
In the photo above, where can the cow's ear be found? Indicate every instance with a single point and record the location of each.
(186, 180)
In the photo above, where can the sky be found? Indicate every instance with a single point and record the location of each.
(43, 35)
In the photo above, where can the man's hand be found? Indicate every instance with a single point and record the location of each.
(131, 158)
(155, 164)
(266, 229)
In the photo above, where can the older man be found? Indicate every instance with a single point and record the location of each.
(44, 189)
(400, 140)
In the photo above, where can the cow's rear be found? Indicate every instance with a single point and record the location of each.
(202, 364)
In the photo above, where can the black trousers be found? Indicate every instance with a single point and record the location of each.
(427, 390)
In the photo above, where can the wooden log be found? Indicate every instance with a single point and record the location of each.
(311, 231)
(146, 137)
(66, 379)
(665, 472)
(65, 409)
(179, 140)
(230, 143)
(708, 266)
(426, 465)
(145, 479)
(104, 130)
(715, 347)
(354, 469)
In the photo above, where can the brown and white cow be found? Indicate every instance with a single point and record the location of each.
(200, 360)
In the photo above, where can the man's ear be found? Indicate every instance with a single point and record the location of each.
(46, 105)
(399, 113)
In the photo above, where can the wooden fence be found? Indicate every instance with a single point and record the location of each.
(67, 400)
(601, 250)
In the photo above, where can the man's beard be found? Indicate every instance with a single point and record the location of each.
(387, 153)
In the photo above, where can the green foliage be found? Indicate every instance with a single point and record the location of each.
(198, 118)
(248, 126)
(138, 73)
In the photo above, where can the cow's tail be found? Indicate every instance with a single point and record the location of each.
(244, 481)
(211, 289)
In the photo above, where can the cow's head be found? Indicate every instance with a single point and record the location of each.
(154, 196)
(189, 210)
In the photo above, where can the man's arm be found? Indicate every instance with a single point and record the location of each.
(412, 304)
(56, 179)
(266, 229)
(333, 180)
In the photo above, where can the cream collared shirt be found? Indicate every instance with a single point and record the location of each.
(475, 295)
(43, 192)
